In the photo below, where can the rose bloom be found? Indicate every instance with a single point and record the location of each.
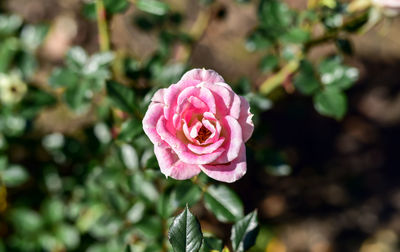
(199, 124)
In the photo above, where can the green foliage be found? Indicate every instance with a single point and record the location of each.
(82, 77)
(244, 232)
(185, 233)
(224, 203)
(86, 178)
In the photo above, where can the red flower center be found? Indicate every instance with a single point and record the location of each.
(203, 134)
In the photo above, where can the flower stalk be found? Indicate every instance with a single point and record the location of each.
(104, 39)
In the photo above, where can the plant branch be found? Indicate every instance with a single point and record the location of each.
(104, 40)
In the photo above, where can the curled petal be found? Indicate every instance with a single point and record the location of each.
(198, 149)
(182, 150)
(172, 166)
(203, 94)
(153, 114)
(223, 97)
(229, 172)
(245, 120)
(234, 140)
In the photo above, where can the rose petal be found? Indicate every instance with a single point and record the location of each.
(199, 149)
(203, 94)
(159, 96)
(234, 140)
(153, 114)
(222, 96)
(182, 150)
(202, 75)
(245, 119)
(172, 166)
(229, 172)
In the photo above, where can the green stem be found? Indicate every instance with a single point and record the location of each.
(104, 39)
(275, 81)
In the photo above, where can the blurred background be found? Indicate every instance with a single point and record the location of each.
(319, 184)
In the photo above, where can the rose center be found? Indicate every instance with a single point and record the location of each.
(203, 134)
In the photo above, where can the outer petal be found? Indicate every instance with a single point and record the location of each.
(234, 140)
(245, 120)
(172, 166)
(202, 75)
(182, 150)
(159, 95)
(153, 114)
(229, 172)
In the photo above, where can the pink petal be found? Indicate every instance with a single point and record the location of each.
(172, 166)
(199, 149)
(182, 150)
(153, 114)
(235, 106)
(203, 94)
(159, 96)
(229, 172)
(223, 98)
(202, 75)
(234, 140)
(245, 120)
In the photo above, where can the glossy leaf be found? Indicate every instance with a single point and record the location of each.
(185, 233)
(223, 203)
(244, 232)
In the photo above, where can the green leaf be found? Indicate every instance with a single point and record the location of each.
(257, 41)
(14, 175)
(63, 77)
(296, 35)
(75, 97)
(269, 63)
(76, 58)
(9, 24)
(27, 63)
(116, 6)
(223, 203)
(69, 236)
(35, 100)
(331, 102)
(8, 49)
(53, 210)
(185, 233)
(305, 81)
(154, 7)
(150, 227)
(334, 73)
(211, 244)
(122, 96)
(185, 193)
(244, 232)
(130, 129)
(33, 35)
(25, 220)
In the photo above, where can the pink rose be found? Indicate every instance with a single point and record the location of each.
(199, 124)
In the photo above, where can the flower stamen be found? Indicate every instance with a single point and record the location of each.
(203, 134)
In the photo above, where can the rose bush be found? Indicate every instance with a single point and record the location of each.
(199, 124)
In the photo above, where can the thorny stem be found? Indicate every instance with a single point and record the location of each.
(104, 39)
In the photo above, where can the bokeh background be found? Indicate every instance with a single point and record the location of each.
(328, 185)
